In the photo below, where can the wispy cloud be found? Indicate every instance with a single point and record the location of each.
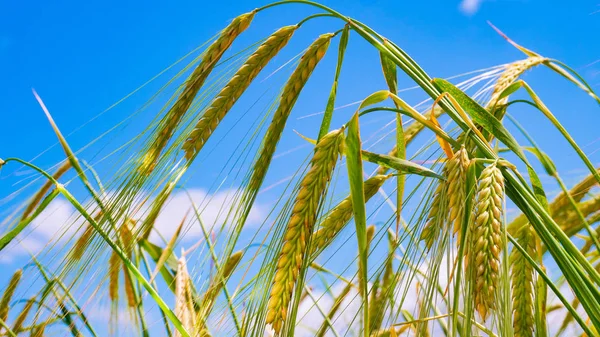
(470, 7)
(60, 221)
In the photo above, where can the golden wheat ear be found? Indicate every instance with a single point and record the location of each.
(288, 98)
(487, 239)
(340, 215)
(300, 226)
(234, 89)
(512, 72)
(9, 291)
(192, 86)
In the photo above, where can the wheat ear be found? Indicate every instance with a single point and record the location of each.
(522, 282)
(509, 76)
(337, 303)
(192, 85)
(233, 90)
(84, 240)
(341, 214)
(8, 294)
(456, 176)
(18, 324)
(290, 94)
(184, 308)
(300, 226)
(487, 239)
(62, 169)
(436, 216)
(217, 285)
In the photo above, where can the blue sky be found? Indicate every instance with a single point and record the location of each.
(82, 57)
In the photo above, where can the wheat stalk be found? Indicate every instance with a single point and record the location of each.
(487, 239)
(192, 85)
(290, 94)
(234, 89)
(341, 214)
(522, 282)
(300, 226)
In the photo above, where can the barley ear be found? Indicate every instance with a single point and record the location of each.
(300, 226)
(8, 294)
(341, 214)
(38, 331)
(288, 98)
(456, 176)
(509, 76)
(522, 283)
(217, 285)
(337, 303)
(225, 99)
(18, 324)
(192, 86)
(114, 266)
(486, 243)
(184, 308)
(436, 217)
(62, 169)
(84, 240)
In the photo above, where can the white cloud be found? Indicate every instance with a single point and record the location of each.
(60, 220)
(470, 7)
(213, 209)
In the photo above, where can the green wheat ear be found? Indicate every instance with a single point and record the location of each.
(523, 283)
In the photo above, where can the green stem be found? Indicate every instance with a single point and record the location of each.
(126, 261)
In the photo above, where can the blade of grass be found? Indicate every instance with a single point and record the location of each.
(355, 175)
(326, 122)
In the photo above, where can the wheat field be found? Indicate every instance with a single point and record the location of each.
(444, 220)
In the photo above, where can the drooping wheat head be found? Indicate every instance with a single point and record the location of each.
(509, 76)
(456, 176)
(341, 214)
(115, 263)
(184, 308)
(18, 323)
(486, 242)
(290, 94)
(436, 217)
(337, 303)
(8, 293)
(233, 90)
(192, 85)
(522, 283)
(300, 226)
(37, 198)
(217, 285)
